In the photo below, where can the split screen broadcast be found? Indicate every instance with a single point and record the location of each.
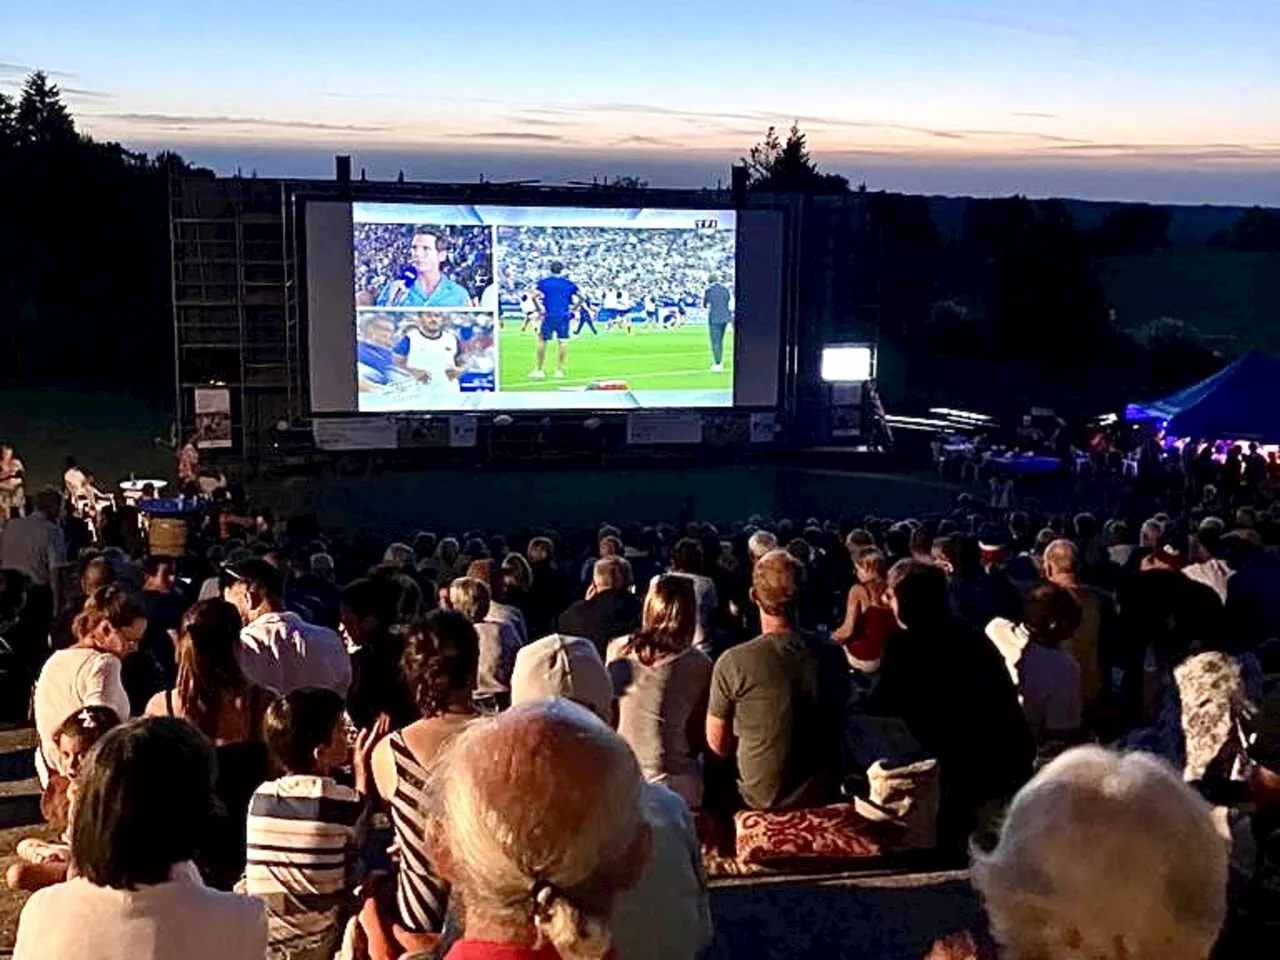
(474, 307)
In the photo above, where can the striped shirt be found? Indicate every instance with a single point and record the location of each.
(303, 839)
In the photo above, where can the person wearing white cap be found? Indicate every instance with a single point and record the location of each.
(666, 916)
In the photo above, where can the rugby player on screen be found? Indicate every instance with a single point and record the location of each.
(429, 353)
(421, 282)
(528, 309)
(558, 297)
(719, 303)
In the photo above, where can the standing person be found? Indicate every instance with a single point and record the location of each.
(35, 547)
(777, 702)
(1062, 569)
(144, 800)
(12, 478)
(279, 649)
(189, 463)
(585, 320)
(429, 352)
(422, 282)
(662, 682)
(88, 674)
(557, 295)
(719, 303)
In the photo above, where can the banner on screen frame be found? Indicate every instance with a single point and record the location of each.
(213, 418)
(355, 433)
(649, 428)
(462, 431)
(764, 427)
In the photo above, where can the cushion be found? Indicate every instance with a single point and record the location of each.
(833, 833)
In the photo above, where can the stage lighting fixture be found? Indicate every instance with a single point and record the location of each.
(847, 363)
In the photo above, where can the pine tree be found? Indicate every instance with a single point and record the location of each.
(8, 123)
(42, 117)
(787, 166)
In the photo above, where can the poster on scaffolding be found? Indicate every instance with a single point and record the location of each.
(213, 418)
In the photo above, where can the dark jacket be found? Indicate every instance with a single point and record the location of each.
(606, 616)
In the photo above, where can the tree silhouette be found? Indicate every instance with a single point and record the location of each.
(1132, 229)
(786, 166)
(42, 118)
(1255, 231)
(8, 123)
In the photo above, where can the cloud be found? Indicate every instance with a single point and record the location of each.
(84, 94)
(524, 121)
(514, 136)
(179, 121)
(1035, 114)
(639, 140)
(25, 70)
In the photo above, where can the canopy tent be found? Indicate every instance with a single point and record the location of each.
(1238, 402)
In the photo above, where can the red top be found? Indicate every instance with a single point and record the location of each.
(484, 950)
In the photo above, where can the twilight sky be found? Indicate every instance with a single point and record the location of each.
(1167, 100)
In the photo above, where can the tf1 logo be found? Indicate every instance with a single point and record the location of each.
(706, 224)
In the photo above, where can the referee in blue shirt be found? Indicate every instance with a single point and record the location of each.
(559, 296)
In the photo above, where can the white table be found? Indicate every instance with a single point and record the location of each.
(132, 489)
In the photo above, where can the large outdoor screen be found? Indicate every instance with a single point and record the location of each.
(473, 307)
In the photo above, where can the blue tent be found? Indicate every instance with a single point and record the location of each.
(1238, 402)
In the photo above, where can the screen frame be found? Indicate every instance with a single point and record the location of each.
(301, 201)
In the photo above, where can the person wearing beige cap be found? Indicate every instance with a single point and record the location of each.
(666, 915)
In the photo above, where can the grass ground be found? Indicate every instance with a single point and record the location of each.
(677, 359)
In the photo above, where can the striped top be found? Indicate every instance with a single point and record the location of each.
(303, 839)
(422, 897)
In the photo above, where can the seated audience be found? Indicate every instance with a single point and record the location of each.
(610, 610)
(278, 648)
(687, 560)
(89, 674)
(304, 831)
(1062, 569)
(490, 572)
(1047, 679)
(672, 885)
(498, 643)
(97, 573)
(440, 662)
(952, 689)
(550, 590)
(1105, 855)
(144, 799)
(370, 613)
(662, 682)
(868, 621)
(541, 829)
(778, 702)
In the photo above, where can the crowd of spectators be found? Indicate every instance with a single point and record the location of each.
(383, 249)
(528, 744)
(673, 267)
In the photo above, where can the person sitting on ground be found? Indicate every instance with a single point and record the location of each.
(541, 829)
(1104, 855)
(305, 831)
(279, 649)
(89, 674)
(868, 621)
(440, 662)
(1047, 679)
(144, 800)
(672, 885)
(498, 643)
(662, 683)
(490, 571)
(610, 610)
(778, 702)
(41, 863)
(951, 688)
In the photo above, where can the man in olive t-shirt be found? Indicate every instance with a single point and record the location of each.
(778, 701)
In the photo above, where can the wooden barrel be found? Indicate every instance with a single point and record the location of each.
(167, 536)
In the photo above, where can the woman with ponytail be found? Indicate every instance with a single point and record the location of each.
(538, 824)
(88, 674)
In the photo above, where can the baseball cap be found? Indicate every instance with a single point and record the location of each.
(563, 666)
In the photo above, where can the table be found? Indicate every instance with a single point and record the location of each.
(132, 489)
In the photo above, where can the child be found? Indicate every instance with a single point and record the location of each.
(304, 828)
(42, 863)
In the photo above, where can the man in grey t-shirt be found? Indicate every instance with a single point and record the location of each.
(778, 701)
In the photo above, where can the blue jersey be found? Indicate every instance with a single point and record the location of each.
(557, 296)
(448, 293)
(376, 363)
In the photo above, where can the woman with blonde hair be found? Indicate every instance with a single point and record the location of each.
(868, 621)
(1105, 856)
(662, 683)
(108, 629)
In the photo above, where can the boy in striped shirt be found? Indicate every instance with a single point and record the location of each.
(305, 829)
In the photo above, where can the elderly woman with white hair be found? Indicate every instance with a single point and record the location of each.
(1103, 856)
(538, 825)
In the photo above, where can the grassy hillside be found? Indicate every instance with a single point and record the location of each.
(1233, 299)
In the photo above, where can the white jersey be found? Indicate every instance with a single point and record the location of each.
(435, 355)
(528, 306)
